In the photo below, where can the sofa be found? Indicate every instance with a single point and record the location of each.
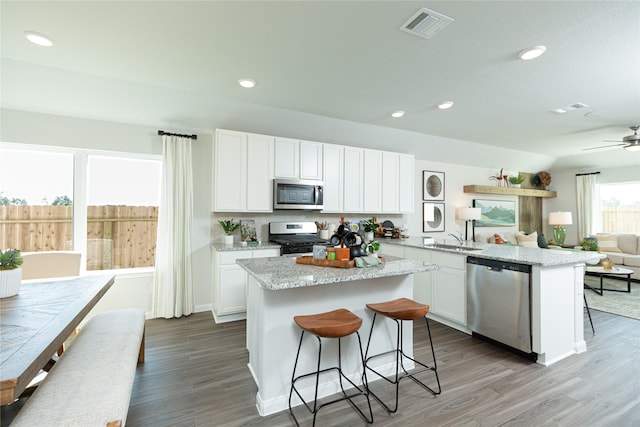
(623, 249)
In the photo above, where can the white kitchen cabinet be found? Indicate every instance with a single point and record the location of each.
(333, 169)
(422, 282)
(230, 281)
(390, 182)
(353, 179)
(287, 154)
(242, 172)
(449, 290)
(372, 191)
(311, 160)
(406, 196)
(297, 159)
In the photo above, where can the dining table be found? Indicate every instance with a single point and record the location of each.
(37, 321)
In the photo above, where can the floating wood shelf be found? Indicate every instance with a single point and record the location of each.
(529, 192)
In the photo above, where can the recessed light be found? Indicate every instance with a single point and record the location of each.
(559, 111)
(39, 39)
(248, 83)
(397, 114)
(532, 53)
(445, 105)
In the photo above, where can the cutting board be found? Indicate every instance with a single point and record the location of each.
(308, 260)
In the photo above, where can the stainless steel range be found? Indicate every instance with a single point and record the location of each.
(295, 237)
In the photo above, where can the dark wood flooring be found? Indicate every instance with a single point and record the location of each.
(195, 374)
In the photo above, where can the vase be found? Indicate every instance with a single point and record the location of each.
(516, 185)
(369, 236)
(10, 281)
(228, 240)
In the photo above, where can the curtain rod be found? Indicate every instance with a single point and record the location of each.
(161, 132)
(588, 173)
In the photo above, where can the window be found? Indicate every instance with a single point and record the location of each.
(619, 206)
(110, 201)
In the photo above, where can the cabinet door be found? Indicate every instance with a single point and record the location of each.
(372, 202)
(422, 282)
(230, 157)
(310, 160)
(353, 179)
(232, 289)
(449, 294)
(333, 170)
(286, 158)
(259, 173)
(390, 182)
(406, 184)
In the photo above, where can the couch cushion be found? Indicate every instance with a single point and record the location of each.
(608, 242)
(631, 261)
(530, 241)
(617, 258)
(628, 243)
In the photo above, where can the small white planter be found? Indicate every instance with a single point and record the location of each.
(369, 236)
(10, 281)
(228, 240)
(516, 185)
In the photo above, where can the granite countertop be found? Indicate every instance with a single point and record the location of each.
(279, 273)
(509, 253)
(221, 247)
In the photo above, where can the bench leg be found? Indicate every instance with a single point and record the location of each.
(141, 354)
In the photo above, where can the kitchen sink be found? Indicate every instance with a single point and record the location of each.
(454, 247)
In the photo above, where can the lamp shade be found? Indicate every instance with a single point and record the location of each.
(560, 218)
(469, 213)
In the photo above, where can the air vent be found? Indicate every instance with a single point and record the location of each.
(426, 23)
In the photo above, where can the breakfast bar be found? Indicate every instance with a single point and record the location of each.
(279, 289)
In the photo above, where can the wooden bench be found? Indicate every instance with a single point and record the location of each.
(91, 383)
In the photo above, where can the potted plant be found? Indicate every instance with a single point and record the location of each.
(10, 272)
(516, 181)
(229, 226)
(373, 247)
(370, 226)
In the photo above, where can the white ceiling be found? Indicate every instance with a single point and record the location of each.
(345, 60)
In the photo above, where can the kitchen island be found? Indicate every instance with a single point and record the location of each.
(556, 289)
(279, 289)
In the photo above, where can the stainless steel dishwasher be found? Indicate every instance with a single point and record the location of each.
(498, 302)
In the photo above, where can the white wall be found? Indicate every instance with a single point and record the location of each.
(131, 289)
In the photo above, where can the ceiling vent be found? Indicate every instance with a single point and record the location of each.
(426, 23)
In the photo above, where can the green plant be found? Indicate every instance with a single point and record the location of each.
(10, 259)
(228, 225)
(369, 225)
(589, 245)
(516, 179)
(373, 246)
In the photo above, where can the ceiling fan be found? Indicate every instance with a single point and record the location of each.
(630, 142)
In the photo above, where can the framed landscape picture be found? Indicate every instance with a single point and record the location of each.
(432, 186)
(437, 224)
(496, 213)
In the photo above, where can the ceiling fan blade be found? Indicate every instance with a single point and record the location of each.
(604, 146)
(611, 140)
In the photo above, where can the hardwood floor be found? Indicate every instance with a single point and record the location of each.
(195, 374)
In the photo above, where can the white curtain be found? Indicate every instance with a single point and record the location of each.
(173, 284)
(586, 198)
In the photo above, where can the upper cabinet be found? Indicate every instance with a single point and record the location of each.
(353, 179)
(373, 171)
(333, 170)
(297, 159)
(406, 183)
(243, 172)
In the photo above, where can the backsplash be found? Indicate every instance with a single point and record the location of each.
(262, 221)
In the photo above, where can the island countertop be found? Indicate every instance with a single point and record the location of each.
(278, 273)
(509, 253)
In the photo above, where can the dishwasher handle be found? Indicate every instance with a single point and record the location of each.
(498, 266)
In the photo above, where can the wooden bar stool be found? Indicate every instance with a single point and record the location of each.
(333, 324)
(400, 310)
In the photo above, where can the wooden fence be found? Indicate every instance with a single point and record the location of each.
(117, 236)
(621, 220)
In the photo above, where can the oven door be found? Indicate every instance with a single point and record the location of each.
(298, 194)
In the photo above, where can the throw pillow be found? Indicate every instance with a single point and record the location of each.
(529, 241)
(608, 243)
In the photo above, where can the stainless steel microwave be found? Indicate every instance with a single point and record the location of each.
(298, 194)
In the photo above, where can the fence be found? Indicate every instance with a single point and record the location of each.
(621, 220)
(117, 236)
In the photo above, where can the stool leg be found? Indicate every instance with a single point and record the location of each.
(586, 304)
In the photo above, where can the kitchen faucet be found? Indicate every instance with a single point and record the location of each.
(458, 238)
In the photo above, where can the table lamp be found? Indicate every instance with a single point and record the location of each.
(560, 219)
(469, 215)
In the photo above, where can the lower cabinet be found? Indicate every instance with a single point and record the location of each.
(230, 282)
(444, 290)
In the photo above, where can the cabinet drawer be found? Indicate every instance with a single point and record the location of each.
(449, 260)
(230, 257)
(266, 253)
